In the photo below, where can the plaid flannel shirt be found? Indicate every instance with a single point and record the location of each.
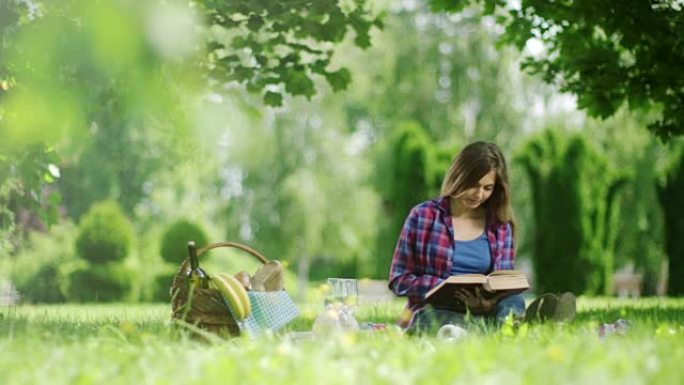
(423, 255)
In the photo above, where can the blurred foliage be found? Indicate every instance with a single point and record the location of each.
(110, 282)
(173, 251)
(574, 198)
(80, 66)
(276, 48)
(670, 194)
(104, 240)
(151, 104)
(296, 189)
(174, 244)
(607, 53)
(116, 80)
(444, 75)
(410, 170)
(160, 289)
(44, 286)
(25, 172)
(89, 82)
(105, 234)
(628, 147)
(26, 202)
(40, 267)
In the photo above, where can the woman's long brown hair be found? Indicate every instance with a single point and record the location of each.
(470, 165)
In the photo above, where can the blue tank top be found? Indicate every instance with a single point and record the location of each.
(471, 257)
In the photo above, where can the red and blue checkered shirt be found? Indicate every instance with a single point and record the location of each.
(423, 256)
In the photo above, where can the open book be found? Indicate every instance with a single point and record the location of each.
(506, 281)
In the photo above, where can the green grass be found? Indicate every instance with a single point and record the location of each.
(136, 344)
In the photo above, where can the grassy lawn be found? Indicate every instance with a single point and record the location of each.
(136, 344)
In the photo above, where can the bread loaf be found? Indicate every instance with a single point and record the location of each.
(268, 277)
(244, 279)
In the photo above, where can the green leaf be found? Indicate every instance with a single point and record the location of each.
(240, 42)
(318, 67)
(261, 59)
(273, 99)
(242, 74)
(448, 5)
(214, 46)
(362, 40)
(339, 80)
(297, 82)
(255, 23)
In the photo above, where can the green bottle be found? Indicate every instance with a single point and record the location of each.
(196, 276)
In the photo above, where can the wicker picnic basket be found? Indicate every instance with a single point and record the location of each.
(206, 309)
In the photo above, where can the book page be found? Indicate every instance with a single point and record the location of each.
(506, 272)
(463, 279)
(507, 282)
(467, 278)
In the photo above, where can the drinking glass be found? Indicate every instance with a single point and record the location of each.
(334, 293)
(351, 293)
(342, 292)
(343, 299)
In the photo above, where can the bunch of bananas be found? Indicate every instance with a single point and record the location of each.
(234, 292)
(234, 288)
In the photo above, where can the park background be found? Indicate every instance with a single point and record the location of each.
(129, 129)
(307, 130)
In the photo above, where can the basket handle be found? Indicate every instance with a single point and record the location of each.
(202, 250)
(236, 245)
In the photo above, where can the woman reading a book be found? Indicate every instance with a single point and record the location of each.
(468, 229)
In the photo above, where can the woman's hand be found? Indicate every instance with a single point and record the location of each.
(475, 301)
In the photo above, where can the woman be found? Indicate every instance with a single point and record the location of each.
(469, 228)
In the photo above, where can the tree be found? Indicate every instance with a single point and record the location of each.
(112, 83)
(574, 202)
(670, 194)
(456, 89)
(277, 47)
(605, 52)
(103, 243)
(410, 171)
(25, 176)
(627, 146)
(27, 199)
(303, 194)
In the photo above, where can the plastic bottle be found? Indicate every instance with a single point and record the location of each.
(347, 320)
(327, 322)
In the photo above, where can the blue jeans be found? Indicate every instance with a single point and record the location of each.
(430, 319)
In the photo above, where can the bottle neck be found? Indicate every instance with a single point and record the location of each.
(192, 255)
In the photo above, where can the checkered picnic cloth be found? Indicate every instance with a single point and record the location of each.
(271, 310)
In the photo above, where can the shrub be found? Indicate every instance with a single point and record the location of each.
(99, 283)
(410, 171)
(574, 207)
(105, 235)
(162, 285)
(670, 194)
(38, 269)
(174, 246)
(43, 287)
